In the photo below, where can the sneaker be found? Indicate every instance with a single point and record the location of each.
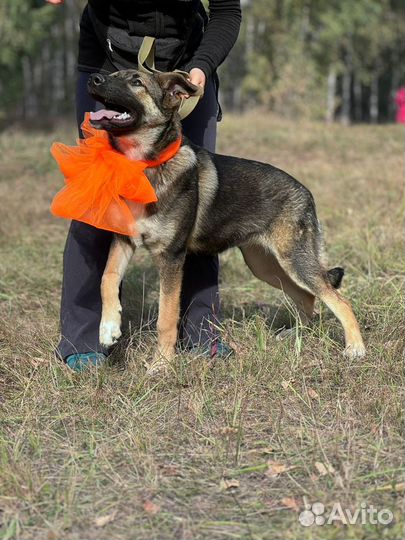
(218, 350)
(84, 361)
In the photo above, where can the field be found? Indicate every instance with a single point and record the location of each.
(228, 450)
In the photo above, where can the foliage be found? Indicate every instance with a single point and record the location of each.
(22, 28)
(291, 46)
(286, 51)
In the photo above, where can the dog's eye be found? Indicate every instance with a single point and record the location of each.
(135, 82)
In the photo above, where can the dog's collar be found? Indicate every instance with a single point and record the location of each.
(103, 187)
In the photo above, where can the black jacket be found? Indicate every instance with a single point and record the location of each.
(111, 33)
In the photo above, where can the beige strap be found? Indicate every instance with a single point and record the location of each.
(146, 63)
(146, 55)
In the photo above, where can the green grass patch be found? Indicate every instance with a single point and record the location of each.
(230, 450)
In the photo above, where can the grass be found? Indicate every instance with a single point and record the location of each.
(223, 451)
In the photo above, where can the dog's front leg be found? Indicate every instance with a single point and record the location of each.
(171, 274)
(120, 254)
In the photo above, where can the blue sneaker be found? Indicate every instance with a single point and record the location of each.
(218, 350)
(221, 350)
(84, 361)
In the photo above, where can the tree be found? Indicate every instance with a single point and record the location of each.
(37, 51)
(319, 58)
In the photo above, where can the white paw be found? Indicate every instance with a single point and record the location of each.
(356, 350)
(110, 331)
(157, 368)
(159, 364)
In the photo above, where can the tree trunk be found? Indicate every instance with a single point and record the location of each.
(346, 96)
(70, 48)
(374, 112)
(37, 67)
(331, 96)
(237, 99)
(395, 81)
(46, 92)
(58, 71)
(30, 102)
(358, 99)
(250, 34)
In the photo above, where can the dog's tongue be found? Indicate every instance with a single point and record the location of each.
(103, 113)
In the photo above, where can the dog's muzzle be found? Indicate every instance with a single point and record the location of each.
(113, 116)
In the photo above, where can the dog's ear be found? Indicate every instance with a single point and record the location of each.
(175, 87)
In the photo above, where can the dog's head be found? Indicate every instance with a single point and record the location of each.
(133, 99)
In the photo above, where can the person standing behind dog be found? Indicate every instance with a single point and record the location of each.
(111, 33)
(400, 103)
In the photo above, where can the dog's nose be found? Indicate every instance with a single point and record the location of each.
(97, 80)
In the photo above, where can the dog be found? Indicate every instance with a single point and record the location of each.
(208, 203)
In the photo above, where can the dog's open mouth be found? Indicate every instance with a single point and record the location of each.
(112, 118)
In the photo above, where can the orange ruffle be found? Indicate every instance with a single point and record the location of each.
(103, 187)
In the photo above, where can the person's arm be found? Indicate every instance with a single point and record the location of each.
(219, 37)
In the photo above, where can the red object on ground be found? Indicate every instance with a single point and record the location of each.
(103, 187)
(400, 101)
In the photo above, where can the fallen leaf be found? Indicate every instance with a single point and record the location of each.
(103, 520)
(150, 507)
(347, 469)
(275, 468)
(339, 480)
(230, 483)
(286, 384)
(323, 469)
(290, 502)
(170, 470)
(228, 430)
(261, 450)
(312, 394)
(267, 450)
(389, 487)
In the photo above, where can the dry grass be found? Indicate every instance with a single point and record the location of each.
(151, 456)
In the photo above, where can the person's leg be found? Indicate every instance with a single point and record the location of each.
(85, 257)
(87, 250)
(200, 297)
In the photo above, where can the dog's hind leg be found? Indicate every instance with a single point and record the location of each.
(343, 311)
(120, 254)
(265, 267)
(300, 260)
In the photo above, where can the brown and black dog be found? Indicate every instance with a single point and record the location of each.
(208, 203)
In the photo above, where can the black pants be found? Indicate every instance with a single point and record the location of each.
(87, 248)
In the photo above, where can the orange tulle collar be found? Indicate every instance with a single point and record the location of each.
(103, 187)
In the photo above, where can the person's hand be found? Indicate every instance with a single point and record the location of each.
(55, 2)
(197, 77)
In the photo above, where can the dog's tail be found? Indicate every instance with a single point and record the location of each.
(335, 276)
